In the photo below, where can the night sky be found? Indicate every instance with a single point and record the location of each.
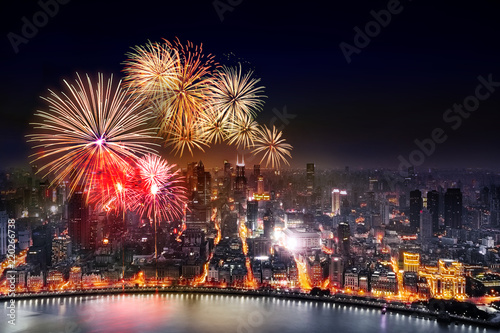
(364, 113)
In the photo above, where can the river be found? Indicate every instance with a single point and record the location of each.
(177, 312)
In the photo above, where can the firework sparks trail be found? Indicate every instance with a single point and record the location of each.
(235, 95)
(243, 132)
(117, 194)
(214, 127)
(187, 101)
(198, 103)
(187, 137)
(159, 191)
(152, 70)
(90, 133)
(272, 145)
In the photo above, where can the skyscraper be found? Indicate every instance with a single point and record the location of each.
(433, 207)
(335, 202)
(40, 252)
(310, 178)
(227, 183)
(253, 179)
(344, 237)
(268, 223)
(336, 272)
(203, 184)
(79, 221)
(252, 214)
(416, 205)
(453, 208)
(240, 181)
(426, 227)
(260, 184)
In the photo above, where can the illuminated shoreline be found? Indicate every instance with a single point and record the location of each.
(340, 299)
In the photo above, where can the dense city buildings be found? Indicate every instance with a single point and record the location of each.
(346, 231)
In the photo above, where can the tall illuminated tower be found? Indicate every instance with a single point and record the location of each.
(310, 178)
(335, 202)
(240, 181)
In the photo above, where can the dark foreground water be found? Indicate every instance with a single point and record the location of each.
(207, 313)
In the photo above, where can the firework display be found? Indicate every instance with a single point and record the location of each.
(157, 189)
(100, 137)
(199, 103)
(235, 95)
(152, 70)
(272, 145)
(90, 133)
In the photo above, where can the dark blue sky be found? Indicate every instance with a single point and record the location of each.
(364, 114)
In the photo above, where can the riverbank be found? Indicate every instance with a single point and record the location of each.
(392, 308)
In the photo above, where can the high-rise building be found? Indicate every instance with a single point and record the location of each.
(336, 272)
(453, 208)
(335, 202)
(310, 178)
(433, 207)
(61, 249)
(260, 185)
(344, 238)
(268, 223)
(255, 176)
(240, 182)
(252, 214)
(256, 170)
(426, 227)
(203, 184)
(416, 205)
(79, 221)
(484, 197)
(227, 182)
(40, 251)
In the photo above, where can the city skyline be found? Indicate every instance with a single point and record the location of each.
(287, 154)
(362, 109)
